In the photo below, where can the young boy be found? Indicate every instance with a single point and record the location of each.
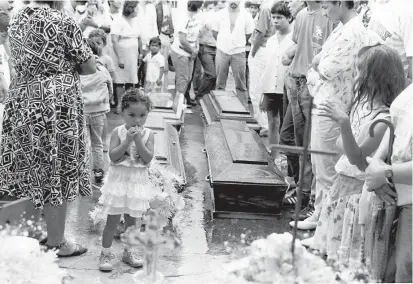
(96, 88)
(272, 80)
(155, 64)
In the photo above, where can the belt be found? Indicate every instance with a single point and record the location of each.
(210, 46)
(165, 34)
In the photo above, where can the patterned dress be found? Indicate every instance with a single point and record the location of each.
(43, 140)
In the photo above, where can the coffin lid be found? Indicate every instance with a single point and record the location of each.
(228, 103)
(163, 100)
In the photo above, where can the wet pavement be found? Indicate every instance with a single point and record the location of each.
(202, 255)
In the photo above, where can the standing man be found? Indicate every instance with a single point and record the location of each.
(232, 29)
(257, 60)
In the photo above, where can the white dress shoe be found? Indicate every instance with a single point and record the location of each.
(304, 225)
(308, 243)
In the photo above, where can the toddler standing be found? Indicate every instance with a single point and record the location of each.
(155, 65)
(97, 89)
(127, 190)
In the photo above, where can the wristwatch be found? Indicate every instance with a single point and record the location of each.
(388, 173)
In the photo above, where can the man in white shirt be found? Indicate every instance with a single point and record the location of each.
(391, 21)
(232, 29)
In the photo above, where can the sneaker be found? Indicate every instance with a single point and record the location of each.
(307, 212)
(105, 261)
(132, 259)
(99, 174)
(308, 243)
(308, 224)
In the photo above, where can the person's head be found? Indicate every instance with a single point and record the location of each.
(135, 107)
(380, 75)
(254, 7)
(221, 4)
(4, 25)
(92, 6)
(58, 5)
(96, 49)
(233, 4)
(6, 5)
(194, 6)
(98, 36)
(296, 6)
(281, 16)
(210, 5)
(155, 45)
(115, 4)
(336, 10)
(130, 9)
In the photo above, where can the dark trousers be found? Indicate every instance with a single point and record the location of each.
(287, 137)
(206, 57)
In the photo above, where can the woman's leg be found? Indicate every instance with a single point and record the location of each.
(273, 113)
(182, 72)
(119, 90)
(96, 131)
(55, 217)
(105, 135)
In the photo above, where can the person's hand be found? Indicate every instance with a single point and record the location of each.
(139, 134)
(132, 133)
(386, 194)
(194, 54)
(12, 73)
(159, 82)
(332, 111)
(88, 21)
(316, 62)
(264, 104)
(375, 173)
(286, 61)
(121, 65)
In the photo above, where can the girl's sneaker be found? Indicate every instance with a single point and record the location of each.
(132, 259)
(105, 263)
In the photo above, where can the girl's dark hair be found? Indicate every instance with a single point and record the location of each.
(381, 75)
(194, 6)
(282, 9)
(4, 21)
(93, 46)
(129, 7)
(155, 40)
(135, 96)
(98, 33)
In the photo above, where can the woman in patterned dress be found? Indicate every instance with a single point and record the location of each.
(43, 141)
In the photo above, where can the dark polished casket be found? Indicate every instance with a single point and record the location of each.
(219, 105)
(13, 211)
(167, 147)
(244, 179)
(169, 106)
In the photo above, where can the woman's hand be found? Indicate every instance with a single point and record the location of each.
(159, 82)
(375, 173)
(264, 103)
(332, 111)
(386, 194)
(316, 62)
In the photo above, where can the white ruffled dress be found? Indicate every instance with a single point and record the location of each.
(127, 189)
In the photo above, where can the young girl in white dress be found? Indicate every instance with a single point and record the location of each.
(127, 189)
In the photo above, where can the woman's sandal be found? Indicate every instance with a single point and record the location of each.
(79, 250)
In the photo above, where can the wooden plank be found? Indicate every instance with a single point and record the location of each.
(176, 160)
(247, 174)
(245, 215)
(163, 101)
(229, 103)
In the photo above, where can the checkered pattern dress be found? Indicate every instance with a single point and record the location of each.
(43, 140)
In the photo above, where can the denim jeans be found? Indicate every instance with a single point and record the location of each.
(404, 245)
(95, 125)
(237, 63)
(196, 77)
(256, 66)
(287, 138)
(184, 66)
(299, 100)
(324, 135)
(207, 56)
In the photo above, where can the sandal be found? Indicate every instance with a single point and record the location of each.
(79, 250)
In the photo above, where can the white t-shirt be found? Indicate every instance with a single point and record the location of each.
(189, 26)
(233, 42)
(392, 23)
(155, 63)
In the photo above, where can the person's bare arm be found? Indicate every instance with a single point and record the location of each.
(116, 49)
(215, 34)
(146, 151)
(117, 148)
(257, 42)
(185, 45)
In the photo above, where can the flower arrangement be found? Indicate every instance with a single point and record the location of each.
(167, 202)
(270, 260)
(22, 255)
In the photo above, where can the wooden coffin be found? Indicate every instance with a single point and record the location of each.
(14, 211)
(169, 106)
(219, 105)
(243, 177)
(167, 148)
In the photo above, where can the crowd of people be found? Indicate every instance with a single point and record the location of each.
(339, 67)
